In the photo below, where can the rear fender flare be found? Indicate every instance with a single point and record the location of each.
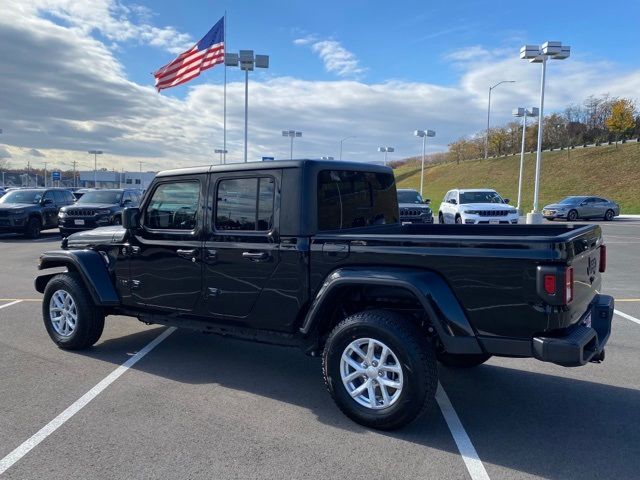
(92, 269)
(429, 288)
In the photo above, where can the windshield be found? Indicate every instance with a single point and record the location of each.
(22, 196)
(410, 196)
(109, 197)
(570, 200)
(480, 197)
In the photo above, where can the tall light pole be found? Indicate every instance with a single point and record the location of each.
(524, 113)
(486, 142)
(341, 142)
(291, 134)
(95, 154)
(540, 54)
(45, 174)
(247, 61)
(222, 152)
(424, 134)
(386, 150)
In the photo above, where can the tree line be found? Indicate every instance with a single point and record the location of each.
(595, 121)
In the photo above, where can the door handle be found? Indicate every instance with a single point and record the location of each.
(255, 256)
(189, 254)
(211, 254)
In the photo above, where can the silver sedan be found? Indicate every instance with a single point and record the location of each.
(573, 208)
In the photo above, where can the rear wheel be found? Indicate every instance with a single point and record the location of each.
(462, 360)
(572, 216)
(380, 369)
(72, 320)
(608, 216)
(33, 228)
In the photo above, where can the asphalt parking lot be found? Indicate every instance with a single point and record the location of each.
(201, 406)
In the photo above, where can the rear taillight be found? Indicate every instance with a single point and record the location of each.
(603, 258)
(555, 284)
(568, 285)
(550, 284)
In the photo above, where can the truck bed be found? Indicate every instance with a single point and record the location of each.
(492, 269)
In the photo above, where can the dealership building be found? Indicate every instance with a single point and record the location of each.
(111, 179)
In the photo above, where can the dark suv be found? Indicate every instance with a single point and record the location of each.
(31, 210)
(97, 208)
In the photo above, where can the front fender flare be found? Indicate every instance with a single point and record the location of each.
(91, 267)
(429, 288)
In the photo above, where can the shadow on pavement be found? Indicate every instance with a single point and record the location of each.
(53, 235)
(546, 425)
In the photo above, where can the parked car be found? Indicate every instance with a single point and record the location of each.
(312, 254)
(30, 210)
(412, 208)
(2, 191)
(96, 208)
(476, 207)
(575, 207)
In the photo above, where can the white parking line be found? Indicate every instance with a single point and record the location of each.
(9, 304)
(465, 447)
(628, 317)
(79, 404)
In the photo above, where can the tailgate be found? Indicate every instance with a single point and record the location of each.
(588, 253)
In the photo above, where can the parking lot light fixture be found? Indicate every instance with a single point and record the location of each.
(540, 54)
(222, 152)
(386, 150)
(341, 142)
(95, 154)
(291, 134)
(247, 61)
(424, 134)
(486, 141)
(524, 113)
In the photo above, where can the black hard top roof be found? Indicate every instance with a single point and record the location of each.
(319, 164)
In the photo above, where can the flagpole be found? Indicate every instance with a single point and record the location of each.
(224, 141)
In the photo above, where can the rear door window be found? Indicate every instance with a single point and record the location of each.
(245, 204)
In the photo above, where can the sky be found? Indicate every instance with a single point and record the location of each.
(76, 75)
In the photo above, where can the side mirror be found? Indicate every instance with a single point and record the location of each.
(126, 202)
(582, 204)
(131, 218)
(453, 201)
(427, 201)
(47, 201)
(506, 200)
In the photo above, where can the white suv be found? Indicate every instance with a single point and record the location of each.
(475, 207)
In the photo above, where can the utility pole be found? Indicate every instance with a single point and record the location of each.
(75, 183)
(45, 174)
(28, 171)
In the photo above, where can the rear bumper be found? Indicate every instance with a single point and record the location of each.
(584, 342)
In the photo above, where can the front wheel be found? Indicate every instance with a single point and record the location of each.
(72, 320)
(33, 228)
(440, 218)
(380, 369)
(459, 220)
(572, 216)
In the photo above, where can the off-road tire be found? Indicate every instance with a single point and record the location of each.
(33, 228)
(416, 357)
(90, 321)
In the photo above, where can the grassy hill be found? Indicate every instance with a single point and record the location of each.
(605, 171)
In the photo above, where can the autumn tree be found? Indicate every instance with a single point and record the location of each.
(620, 121)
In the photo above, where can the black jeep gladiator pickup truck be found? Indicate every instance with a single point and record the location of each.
(312, 254)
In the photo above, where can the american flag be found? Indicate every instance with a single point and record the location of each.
(205, 54)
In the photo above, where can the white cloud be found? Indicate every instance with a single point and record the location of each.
(335, 57)
(64, 92)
